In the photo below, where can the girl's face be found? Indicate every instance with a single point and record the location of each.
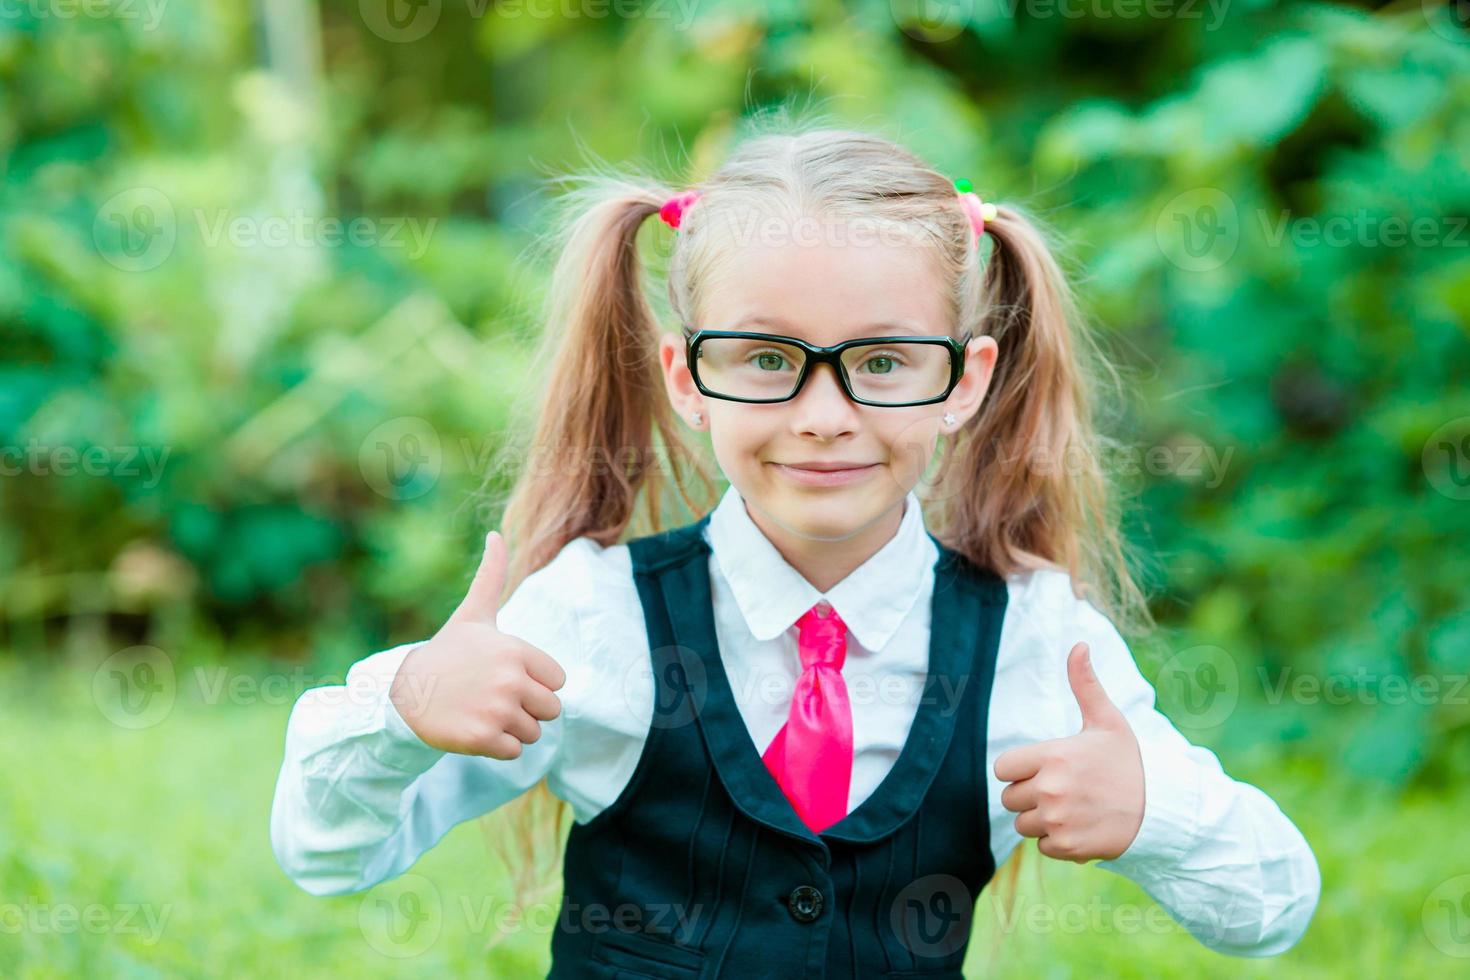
(825, 294)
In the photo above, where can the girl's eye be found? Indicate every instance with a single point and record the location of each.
(769, 361)
(882, 363)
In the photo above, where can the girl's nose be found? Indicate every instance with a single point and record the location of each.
(822, 408)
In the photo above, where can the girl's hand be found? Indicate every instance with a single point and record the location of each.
(1080, 796)
(472, 689)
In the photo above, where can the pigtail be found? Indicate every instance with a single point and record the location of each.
(1025, 485)
(604, 430)
(603, 433)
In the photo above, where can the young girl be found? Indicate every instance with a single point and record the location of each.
(798, 734)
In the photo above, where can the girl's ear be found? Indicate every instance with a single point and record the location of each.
(679, 383)
(980, 356)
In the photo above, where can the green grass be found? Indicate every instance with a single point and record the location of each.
(156, 841)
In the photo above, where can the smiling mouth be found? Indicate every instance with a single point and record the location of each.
(825, 474)
(827, 467)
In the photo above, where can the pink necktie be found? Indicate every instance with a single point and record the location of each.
(811, 756)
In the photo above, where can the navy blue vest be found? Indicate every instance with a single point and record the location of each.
(702, 869)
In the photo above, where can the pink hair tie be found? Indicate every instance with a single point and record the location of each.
(978, 211)
(673, 210)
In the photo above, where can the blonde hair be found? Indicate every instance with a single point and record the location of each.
(1020, 486)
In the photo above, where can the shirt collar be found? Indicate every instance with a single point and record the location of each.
(873, 600)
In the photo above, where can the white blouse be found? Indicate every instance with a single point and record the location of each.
(360, 797)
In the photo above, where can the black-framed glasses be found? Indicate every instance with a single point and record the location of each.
(891, 372)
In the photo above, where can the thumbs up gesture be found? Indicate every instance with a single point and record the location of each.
(1080, 796)
(471, 688)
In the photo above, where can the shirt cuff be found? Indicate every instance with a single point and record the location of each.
(398, 746)
(1171, 793)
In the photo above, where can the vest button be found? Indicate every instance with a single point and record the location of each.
(805, 903)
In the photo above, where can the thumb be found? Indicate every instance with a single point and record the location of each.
(482, 600)
(1098, 711)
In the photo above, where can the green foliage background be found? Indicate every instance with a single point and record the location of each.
(1227, 178)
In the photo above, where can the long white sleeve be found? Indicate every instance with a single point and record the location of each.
(360, 796)
(1216, 853)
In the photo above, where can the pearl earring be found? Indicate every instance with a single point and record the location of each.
(698, 418)
(949, 419)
